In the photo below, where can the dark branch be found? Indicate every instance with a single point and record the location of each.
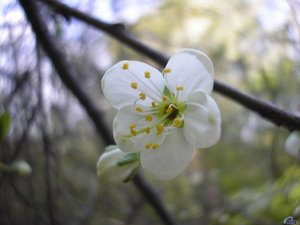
(67, 75)
(147, 191)
(47, 145)
(263, 108)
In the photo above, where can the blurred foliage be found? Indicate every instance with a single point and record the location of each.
(4, 125)
(247, 178)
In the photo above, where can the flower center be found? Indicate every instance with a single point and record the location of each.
(163, 114)
(174, 111)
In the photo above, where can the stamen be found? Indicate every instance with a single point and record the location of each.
(160, 128)
(133, 132)
(147, 74)
(142, 96)
(164, 98)
(179, 88)
(148, 118)
(153, 104)
(177, 122)
(155, 146)
(154, 94)
(139, 109)
(166, 70)
(134, 85)
(132, 126)
(125, 66)
(148, 145)
(147, 130)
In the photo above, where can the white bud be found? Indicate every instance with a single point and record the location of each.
(21, 168)
(116, 166)
(292, 144)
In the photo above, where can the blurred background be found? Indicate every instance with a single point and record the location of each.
(247, 178)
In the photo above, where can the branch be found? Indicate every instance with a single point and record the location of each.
(46, 144)
(67, 74)
(263, 108)
(147, 191)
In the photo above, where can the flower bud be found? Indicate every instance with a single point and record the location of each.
(115, 166)
(21, 168)
(292, 144)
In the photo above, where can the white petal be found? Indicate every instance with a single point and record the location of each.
(191, 69)
(116, 83)
(202, 121)
(121, 127)
(170, 159)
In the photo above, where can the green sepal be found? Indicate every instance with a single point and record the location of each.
(111, 148)
(132, 175)
(167, 92)
(4, 125)
(129, 158)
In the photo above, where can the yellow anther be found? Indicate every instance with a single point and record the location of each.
(147, 130)
(179, 88)
(164, 98)
(134, 85)
(148, 118)
(148, 145)
(125, 66)
(160, 128)
(177, 122)
(142, 96)
(153, 104)
(132, 126)
(169, 110)
(147, 74)
(133, 132)
(138, 109)
(155, 146)
(166, 70)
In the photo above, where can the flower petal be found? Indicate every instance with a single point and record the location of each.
(202, 121)
(170, 159)
(192, 70)
(123, 83)
(126, 117)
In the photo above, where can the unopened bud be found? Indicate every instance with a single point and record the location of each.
(21, 168)
(115, 166)
(292, 144)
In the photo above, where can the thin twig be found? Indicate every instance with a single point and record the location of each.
(265, 109)
(67, 75)
(46, 144)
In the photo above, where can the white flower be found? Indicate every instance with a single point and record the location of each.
(164, 115)
(21, 168)
(115, 166)
(292, 144)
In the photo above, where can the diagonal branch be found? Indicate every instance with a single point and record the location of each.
(265, 109)
(67, 74)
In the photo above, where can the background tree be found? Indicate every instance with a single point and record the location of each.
(247, 178)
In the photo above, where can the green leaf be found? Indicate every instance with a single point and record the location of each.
(4, 125)
(128, 159)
